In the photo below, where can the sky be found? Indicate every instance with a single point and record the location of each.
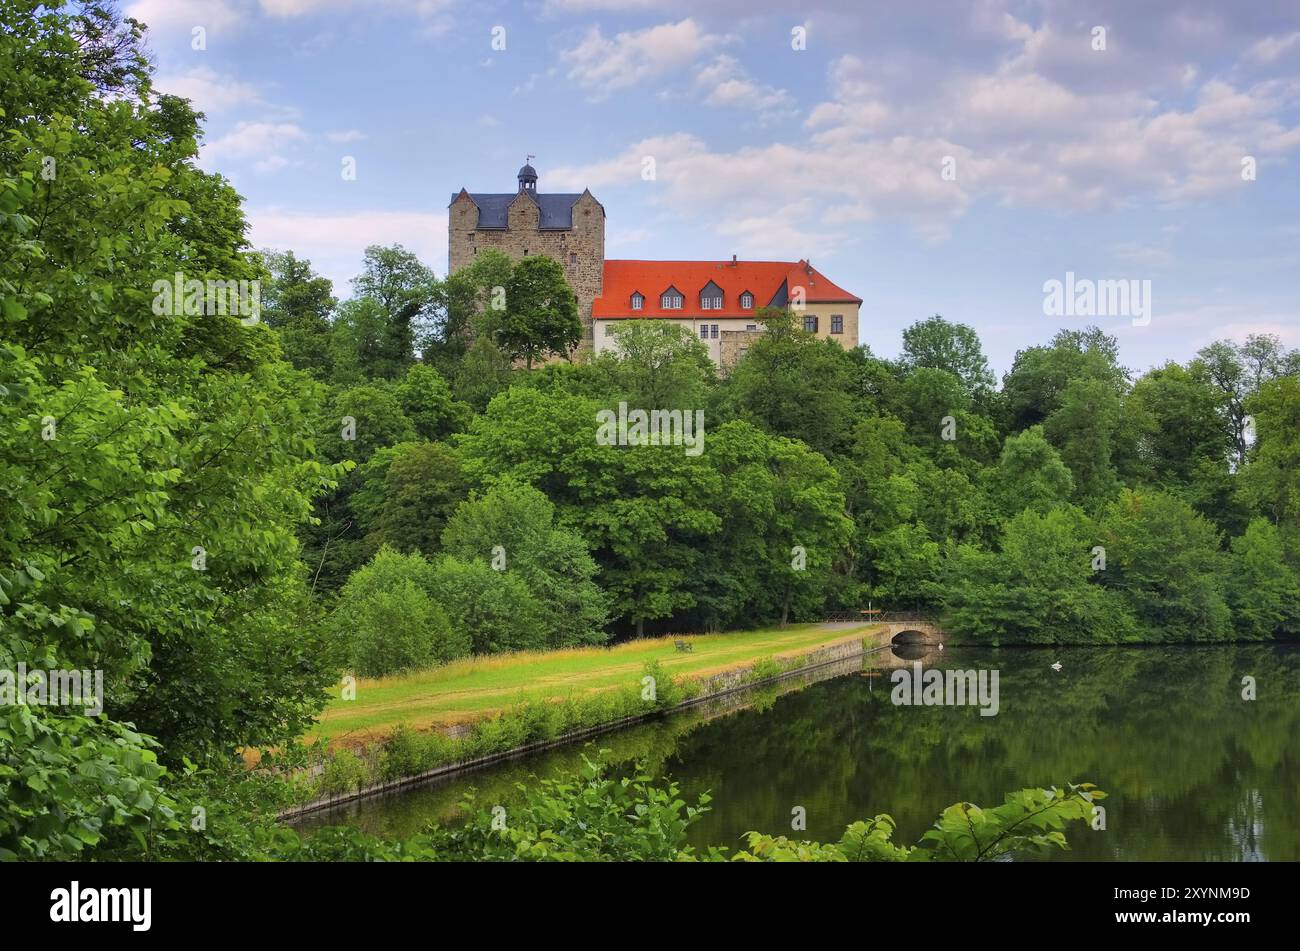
(932, 157)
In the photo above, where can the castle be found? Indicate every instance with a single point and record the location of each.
(715, 300)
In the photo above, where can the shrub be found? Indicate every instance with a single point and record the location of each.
(390, 620)
(344, 772)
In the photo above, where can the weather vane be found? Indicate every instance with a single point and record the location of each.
(529, 158)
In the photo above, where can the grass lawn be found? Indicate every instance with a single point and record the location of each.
(470, 689)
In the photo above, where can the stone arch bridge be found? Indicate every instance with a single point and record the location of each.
(896, 627)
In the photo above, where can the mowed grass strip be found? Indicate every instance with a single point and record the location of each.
(476, 687)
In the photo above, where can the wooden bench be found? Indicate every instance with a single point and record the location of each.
(683, 647)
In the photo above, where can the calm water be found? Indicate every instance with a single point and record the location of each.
(1194, 771)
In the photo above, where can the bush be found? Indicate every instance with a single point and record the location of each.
(344, 772)
(496, 606)
(390, 620)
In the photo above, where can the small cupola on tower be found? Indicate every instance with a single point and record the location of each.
(528, 179)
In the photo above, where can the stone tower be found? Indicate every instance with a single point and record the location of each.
(570, 228)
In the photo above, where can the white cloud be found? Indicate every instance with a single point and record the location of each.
(210, 92)
(336, 243)
(728, 84)
(350, 135)
(184, 15)
(264, 144)
(1271, 48)
(601, 64)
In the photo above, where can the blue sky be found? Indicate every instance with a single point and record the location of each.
(1122, 162)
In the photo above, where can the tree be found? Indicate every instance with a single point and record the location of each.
(659, 365)
(406, 292)
(1038, 589)
(427, 402)
(1270, 482)
(387, 616)
(361, 345)
(1263, 587)
(155, 461)
(541, 316)
(1082, 428)
(643, 510)
(405, 494)
(1238, 371)
(937, 344)
(783, 528)
(473, 302)
(483, 373)
(494, 607)
(1036, 384)
(1029, 475)
(512, 527)
(1164, 559)
(297, 303)
(794, 385)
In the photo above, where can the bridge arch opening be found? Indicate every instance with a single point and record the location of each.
(910, 637)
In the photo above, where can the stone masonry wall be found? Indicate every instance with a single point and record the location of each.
(586, 240)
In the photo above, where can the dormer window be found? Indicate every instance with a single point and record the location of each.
(747, 301)
(637, 301)
(711, 297)
(671, 299)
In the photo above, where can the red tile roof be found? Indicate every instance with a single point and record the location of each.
(766, 280)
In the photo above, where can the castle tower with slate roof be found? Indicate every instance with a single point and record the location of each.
(570, 228)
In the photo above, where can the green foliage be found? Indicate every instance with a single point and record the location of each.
(1040, 375)
(955, 348)
(1039, 589)
(388, 614)
(298, 303)
(1030, 475)
(599, 817)
(405, 494)
(1263, 585)
(72, 786)
(659, 365)
(1270, 482)
(794, 385)
(1165, 560)
(1083, 428)
(494, 608)
(132, 432)
(518, 521)
(427, 402)
(541, 316)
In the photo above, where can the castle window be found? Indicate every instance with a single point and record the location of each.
(609, 330)
(711, 303)
(714, 333)
(751, 326)
(573, 257)
(637, 301)
(837, 323)
(810, 323)
(704, 331)
(747, 301)
(671, 299)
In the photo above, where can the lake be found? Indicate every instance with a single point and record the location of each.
(1194, 771)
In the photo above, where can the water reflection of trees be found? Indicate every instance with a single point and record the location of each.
(1193, 771)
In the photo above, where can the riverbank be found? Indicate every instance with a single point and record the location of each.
(405, 756)
(456, 695)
